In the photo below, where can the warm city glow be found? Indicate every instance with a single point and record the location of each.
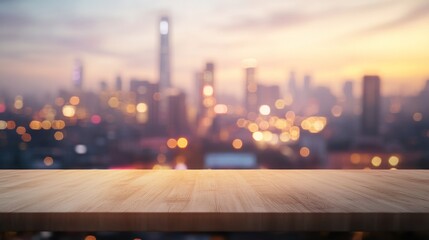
(257, 136)
(74, 100)
(304, 152)
(182, 142)
(26, 137)
(220, 109)
(3, 125)
(46, 125)
(20, 130)
(171, 143)
(237, 144)
(141, 107)
(393, 161)
(48, 161)
(337, 111)
(208, 90)
(264, 110)
(113, 102)
(35, 125)
(19, 103)
(58, 136)
(376, 161)
(314, 124)
(355, 158)
(417, 117)
(69, 111)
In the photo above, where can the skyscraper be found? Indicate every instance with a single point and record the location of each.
(77, 77)
(206, 98)
(164, 53)
(251, 87)
(371, 106)
(164, 65)
(349, 105)
(118, 83)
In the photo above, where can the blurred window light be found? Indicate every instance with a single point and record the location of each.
(304, 152)
(95, 119)
(337, 111)
(220, 109)
(48, 161)
(237, 144)
(182, 142)
(20, 130)
(163, 27)
(208, 90)
(171, 143)
(26, 137)
(69, 111)
(417, 117)
(74, 100)
(113, 102)
(11, 125)
(35, 125)
(19, 103)
(280, 104)
(257, 136)
(3, 125)
(141, 107)
(264, 110)
(80, 149)
(58, 136)
(376, 161)
(393, 161)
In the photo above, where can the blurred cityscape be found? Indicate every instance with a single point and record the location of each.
(152, 124)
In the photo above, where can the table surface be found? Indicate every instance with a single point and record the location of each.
(214, 200)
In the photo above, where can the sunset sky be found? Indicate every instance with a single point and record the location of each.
(333, 40)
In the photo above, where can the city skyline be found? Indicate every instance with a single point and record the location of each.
(392, 45)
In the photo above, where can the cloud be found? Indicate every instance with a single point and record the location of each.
(291, 17)
(418, 12)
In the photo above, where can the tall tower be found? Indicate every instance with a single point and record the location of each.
(371, 105)
(77, 77)
(206, 98)
(164, 65)
(251, 87)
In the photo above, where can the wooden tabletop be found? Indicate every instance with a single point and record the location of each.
(214, 200)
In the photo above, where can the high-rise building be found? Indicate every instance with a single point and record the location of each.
(251, 87)
(291, 87)
(371, 106)
(164, 65)
(349, 106)
(78, 75)
(118, 83)
(147, 101)
(177, 121)
(206, 93)
(206, 98)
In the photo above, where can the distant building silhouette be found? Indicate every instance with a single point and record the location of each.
(177, 120)
(349, 100)
(118, 83)
(371, 106)
(77, 77)
(251, 88)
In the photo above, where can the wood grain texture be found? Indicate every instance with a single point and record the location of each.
(214, 200)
